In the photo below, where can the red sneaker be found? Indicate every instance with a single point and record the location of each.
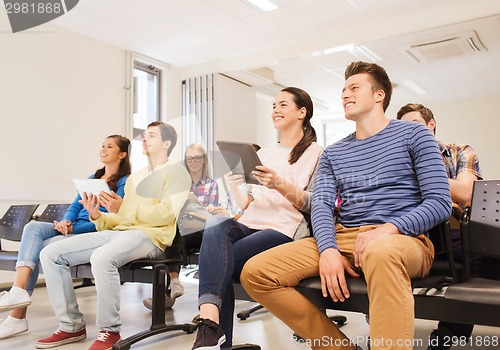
(61, 337)
(105, 340)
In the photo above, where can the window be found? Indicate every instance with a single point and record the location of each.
(332, 128)
(146, 107)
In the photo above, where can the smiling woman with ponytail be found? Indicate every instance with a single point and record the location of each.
(274, 214)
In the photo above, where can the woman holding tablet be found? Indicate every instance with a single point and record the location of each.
(114, 154)
(273, 214)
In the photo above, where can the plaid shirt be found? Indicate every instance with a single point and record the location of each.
(206, 191)
(459, 158)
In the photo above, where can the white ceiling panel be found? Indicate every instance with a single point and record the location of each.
(302, 41)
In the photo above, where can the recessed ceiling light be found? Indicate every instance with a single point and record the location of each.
(264, 5)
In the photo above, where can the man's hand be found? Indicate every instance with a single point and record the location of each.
(90, 202)
(64, 226)
(331, 271)
(110, 201)
(364, 238)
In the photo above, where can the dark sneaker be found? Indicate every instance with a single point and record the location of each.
(105, 340)
(209, 337)
(436, 341)
(61, 337)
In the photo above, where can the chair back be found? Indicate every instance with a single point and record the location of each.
(481, 226)
(53, 212)
(484, 218)
(13, 221)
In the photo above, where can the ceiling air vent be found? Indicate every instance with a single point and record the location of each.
(454, 45)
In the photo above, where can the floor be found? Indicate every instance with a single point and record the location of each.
(261, 328)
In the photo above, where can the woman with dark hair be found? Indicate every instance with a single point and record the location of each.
(274, 213)
(114, 154)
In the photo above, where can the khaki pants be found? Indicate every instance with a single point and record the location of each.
(388, 265)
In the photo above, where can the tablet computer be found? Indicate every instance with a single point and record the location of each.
(241, 158)
(94, 186)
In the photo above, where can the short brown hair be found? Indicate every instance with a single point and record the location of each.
(168, 133)
(425, 112)
(378, 75)
(416, 107)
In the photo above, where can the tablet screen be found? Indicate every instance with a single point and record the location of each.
(94, 186)
(241, 158)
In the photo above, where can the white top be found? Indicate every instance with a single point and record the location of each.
(269, 209)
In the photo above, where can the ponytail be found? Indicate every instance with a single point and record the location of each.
(302, 99)
(304, 143)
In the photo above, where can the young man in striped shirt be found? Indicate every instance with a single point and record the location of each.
(390, 177)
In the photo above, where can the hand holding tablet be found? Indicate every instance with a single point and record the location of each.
(241, 158)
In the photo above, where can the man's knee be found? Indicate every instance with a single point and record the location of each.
(378, 254)
(250, 270)
(100, 259)
(252, 276)
(48, 255)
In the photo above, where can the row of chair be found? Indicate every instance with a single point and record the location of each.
(13, 222)
(463, 299)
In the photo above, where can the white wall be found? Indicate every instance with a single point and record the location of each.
(61, 95)
(234, 110)
(266, 133)
(475, 122)
(234, 115)
(173, 109)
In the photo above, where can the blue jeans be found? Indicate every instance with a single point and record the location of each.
(35, 236)
(226, 246)
(106, 251)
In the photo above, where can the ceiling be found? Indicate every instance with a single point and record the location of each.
(308, 43)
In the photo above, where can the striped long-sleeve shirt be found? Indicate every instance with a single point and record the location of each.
(395, 176)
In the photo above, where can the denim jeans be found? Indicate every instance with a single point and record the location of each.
(106, 251)
(35, 236)
(226, 246)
